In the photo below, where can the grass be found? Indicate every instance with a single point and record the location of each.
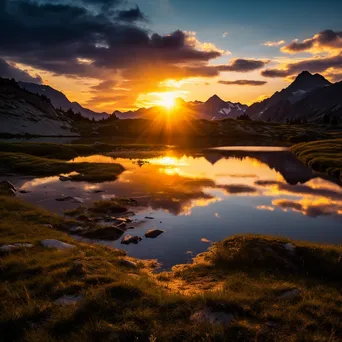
(40, 166)
(322, 155)
(242, 275)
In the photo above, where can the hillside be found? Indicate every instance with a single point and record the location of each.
(59, 100)
(22, 112)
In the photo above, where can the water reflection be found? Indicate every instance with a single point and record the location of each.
(204, 196)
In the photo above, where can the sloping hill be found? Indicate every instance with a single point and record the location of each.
(22, 112)
(59, 100)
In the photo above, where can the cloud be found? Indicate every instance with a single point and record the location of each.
(313, 65)
(237, 188)
(8, 70)
(272, 44)
(131, 15)
(243, 65)
(324, 41)
(225, 34)
(302, 189)
(243, 82)
(309, 208)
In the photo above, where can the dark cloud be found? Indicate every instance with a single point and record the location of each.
(10, 71)
(237, 188)
(287, 204)
(313, 65)
(243, 82)
(326, 39)
(243, 65)
(131, 15)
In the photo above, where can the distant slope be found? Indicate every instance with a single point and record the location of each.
(213, 109)
(22, 112)
(280, 106)
(59, 100)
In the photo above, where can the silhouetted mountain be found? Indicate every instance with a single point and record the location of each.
(213, 109)
(320, 102)
(23, 112)
(59, 100)
(279, 107)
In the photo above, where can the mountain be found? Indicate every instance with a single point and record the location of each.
(22, 112)
(280, 106)
(320, 102)
(59, 100)
(213, 109)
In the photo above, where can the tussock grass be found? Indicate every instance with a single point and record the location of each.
(322, 155)
(242, 275)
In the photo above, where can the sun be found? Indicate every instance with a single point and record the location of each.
(167, 100)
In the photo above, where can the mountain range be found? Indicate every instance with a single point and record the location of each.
(213, 109)
(29, 108)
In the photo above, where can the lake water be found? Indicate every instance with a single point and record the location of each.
(202, 196)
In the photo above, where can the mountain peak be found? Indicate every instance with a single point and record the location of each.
(307, 81)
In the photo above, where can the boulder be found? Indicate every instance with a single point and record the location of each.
(290, 294)
(51, 243)
(15, 246)
(208, 316)
(68, 300)
(153, 233)
(127, 239)
(290, 247)
(64, 178)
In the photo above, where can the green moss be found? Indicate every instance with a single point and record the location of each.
(322, 155)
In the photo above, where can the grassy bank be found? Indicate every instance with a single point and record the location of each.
(245, 278)
(71, 151)
(322, 155)
(38, 166)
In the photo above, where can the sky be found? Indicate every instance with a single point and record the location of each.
(119, 55)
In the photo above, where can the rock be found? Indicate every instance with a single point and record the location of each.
(6, 185)
(47, 225)
(77, 229)
(97, 191)
(68, 300)
(23, 245)
(64, 178)
(206, 315)
(64, 198)
(8, 248)
(291, 294)
(129, 263)
(127, 239)
(290, 247)
(51, 243)
(15, 246)
(78, 200)
(149, 217)
(153, 233)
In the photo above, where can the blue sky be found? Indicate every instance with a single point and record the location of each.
(248, 23)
